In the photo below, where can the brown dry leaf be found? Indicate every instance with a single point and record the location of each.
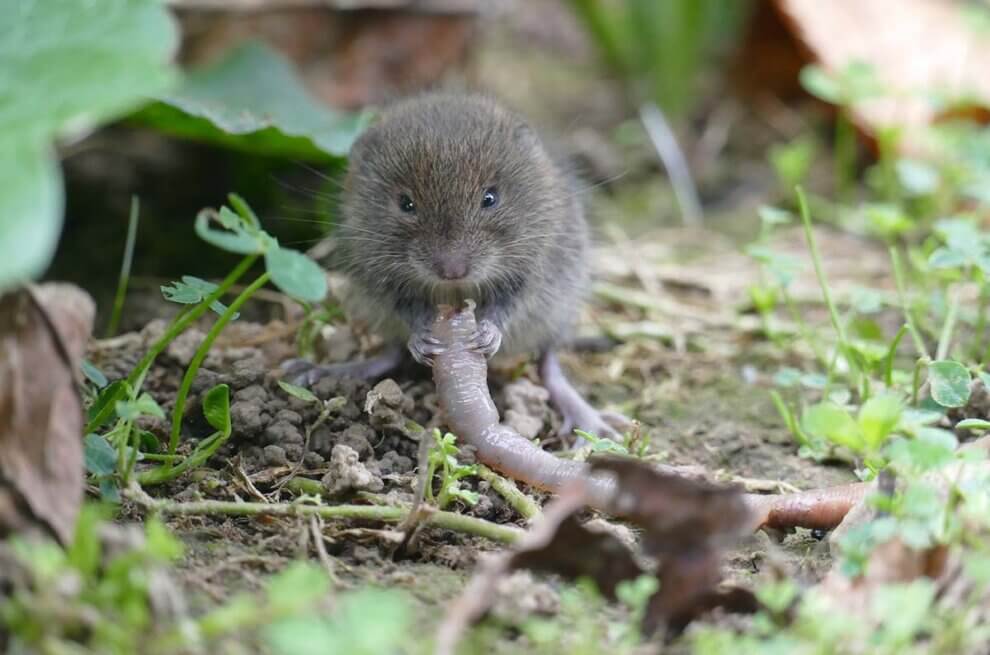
(477, 598)
(43, 335)
(685, 523)
(915, 47)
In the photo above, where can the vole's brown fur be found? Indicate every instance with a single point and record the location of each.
(526, 257)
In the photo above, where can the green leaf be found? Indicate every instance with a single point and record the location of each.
(216, 408)
(93, 374)
(84, 551)
(99, 455)
(31, 200)
(109, 491)
(930, 449)
(973, 424)
(771, 216)
(834, 423)
(296, 274)
(64, 67)
(877, 419)
(949, 383)
(253, 100)
(193, 290)
(145, 405)
(234, 238)
(886, 221)
(301, 393)
(160, 543)
(368, 622)
(942, 258)
(903, 610)
(102, 408)
(820, 84)
(243, 210)
(296, 588)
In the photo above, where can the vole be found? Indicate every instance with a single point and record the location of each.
(450, 197)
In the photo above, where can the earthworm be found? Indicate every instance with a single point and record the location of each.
(461, 377)
(815, 508)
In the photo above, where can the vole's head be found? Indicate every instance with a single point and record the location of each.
(450, 197)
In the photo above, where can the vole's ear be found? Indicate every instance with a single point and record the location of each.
(369, 140)
(523, 134)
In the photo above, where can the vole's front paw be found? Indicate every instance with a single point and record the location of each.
(423, 347)
(487, 340)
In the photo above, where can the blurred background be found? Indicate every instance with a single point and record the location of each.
(680, 114)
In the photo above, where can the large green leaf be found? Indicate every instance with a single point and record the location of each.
(30, 209)
(65, 66)
(253, 100)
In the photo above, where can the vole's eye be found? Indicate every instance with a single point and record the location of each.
(490, 198)
(406, 204)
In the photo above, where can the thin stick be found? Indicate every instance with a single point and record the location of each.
(125, 269)
(658, 129)
(316, 532)
(386, 513)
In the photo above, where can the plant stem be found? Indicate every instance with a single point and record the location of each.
(184, 321)
(125, 269)
(506, 488)
(948, 328)
(386, 513)
(981, 319)
(816, 259)
(194, 364)
(919, 343)
(916, 379)
(845, 153)
(168, 472)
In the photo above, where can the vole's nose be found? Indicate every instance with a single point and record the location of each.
(451, 266)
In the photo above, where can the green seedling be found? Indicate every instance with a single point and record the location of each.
(601, 445)
(238, 231)
(443, 458)
(791, 161)
(864, 435)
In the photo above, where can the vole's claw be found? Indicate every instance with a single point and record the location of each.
(423, 347)
(487, 340)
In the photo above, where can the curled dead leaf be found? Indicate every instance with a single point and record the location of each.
(43, 335)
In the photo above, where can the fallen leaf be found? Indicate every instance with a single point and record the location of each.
(43, 335)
